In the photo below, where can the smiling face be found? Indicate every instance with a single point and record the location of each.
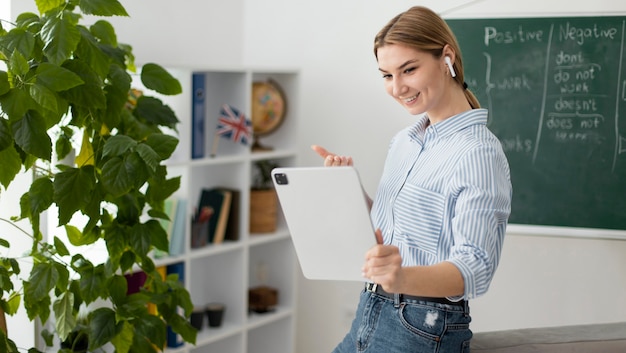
(414, 78)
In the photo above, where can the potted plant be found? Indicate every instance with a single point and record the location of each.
(69, 86)
(263, 201)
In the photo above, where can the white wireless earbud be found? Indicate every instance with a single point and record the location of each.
(449, 63)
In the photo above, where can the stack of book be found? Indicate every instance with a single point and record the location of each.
(217, 217)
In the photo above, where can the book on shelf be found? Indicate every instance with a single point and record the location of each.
(198, 116)
(177, 236)
(135, 281)
(174, 339)
(169, 208)
(232, 226)
(213, 213)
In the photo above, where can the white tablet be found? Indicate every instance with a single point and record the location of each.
(327, 215)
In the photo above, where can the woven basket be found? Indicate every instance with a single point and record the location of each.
(263, 204)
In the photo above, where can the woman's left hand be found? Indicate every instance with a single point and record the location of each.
(383, 265)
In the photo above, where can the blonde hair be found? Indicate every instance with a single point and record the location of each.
(422, 29)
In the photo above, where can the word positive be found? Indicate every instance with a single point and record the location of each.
(521, 35)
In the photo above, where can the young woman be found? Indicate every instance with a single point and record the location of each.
(443, 201)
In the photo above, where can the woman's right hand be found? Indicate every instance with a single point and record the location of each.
(331, 159)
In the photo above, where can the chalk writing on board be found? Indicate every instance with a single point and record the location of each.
(555, 89)
(570, 109)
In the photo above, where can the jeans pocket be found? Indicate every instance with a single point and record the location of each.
(465, 348)
(426, 322)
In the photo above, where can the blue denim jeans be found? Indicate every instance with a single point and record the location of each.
(385, 325)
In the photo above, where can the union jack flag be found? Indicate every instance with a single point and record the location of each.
(234, 125)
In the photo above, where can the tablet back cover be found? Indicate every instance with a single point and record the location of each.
(327, 215)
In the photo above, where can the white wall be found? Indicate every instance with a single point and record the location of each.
(542, 280)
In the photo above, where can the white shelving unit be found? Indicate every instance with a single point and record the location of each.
(224, 272)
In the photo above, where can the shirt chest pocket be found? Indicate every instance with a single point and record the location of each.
(418, 216)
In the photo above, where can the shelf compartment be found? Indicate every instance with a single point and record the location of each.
(220, 278)
(272, 265)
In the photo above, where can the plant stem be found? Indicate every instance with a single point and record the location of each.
(16, 226)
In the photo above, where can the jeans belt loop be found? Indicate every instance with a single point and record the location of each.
(396, 300)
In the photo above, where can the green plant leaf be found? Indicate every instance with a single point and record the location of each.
(128, 208)
(124, 340)
(40, 195)
(118, 176)
(48, 337)
(93, 211)
(148, 155)
(43, 96)
(63, 312)
(103, 326)
(85, 155)
(60, 246)
(183, 327)
(25, 208)
(73, 235)
(155, 112)
(140, 239)
(5, 86)
(17, 39)
(42, 280)
(103, 8)
(127, 260)
(92, 282)
(118, 145)
(118, 288)
(161, 190)
(60, 36)
(13, 304)
(16, 102)
(7, 345)
(157, 78)
(65, 196)
(64, 276)
(89, 94)
(63, 146)
(28, 20)
(46, 5)
(158, 235)
(6, 137)
(57, 78)
(36, 307)
(90, 51)
(164, 145)
(31, 135)
(116, 242)
(11, 165)
(150, 332)
(104, 32)
(5, 280)
(18, 64)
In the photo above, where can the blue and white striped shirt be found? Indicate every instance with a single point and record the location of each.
(445, 195)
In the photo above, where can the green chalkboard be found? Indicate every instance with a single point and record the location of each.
(555, 90)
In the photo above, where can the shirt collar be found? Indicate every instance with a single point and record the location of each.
(448, 126)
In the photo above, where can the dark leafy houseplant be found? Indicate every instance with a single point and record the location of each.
(68, 86)
(262, 174)
(263, 201)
